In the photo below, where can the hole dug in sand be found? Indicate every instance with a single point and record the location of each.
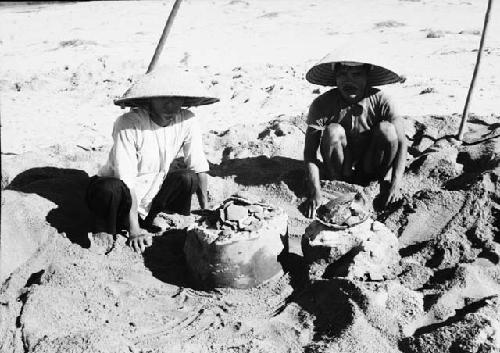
(349, 292)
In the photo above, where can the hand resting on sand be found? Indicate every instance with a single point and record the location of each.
(139, 242)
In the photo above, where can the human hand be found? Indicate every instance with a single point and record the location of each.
(311, 204)
(139, 241)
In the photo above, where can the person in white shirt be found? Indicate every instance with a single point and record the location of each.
(135, 183)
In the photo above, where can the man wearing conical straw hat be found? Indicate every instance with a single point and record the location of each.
(355, 127)
(135, 184)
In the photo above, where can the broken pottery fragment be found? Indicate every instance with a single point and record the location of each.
(236, 212)
(232, 247)
(165, 221)
(366, 251)
(246, 198)
(344, 210)
(255, 209)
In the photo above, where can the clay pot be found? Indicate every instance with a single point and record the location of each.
(241, 259)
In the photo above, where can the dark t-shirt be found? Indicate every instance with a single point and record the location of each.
(357, 119)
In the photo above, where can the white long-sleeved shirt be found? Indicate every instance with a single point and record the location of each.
(143, 151)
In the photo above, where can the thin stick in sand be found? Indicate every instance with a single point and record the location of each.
(465, 114)
(164, 36)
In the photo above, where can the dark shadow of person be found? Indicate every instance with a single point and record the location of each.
(66, 188)
(166, 260)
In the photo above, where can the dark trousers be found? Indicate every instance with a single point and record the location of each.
(109, 200)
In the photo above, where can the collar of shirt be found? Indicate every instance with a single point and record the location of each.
(355, 108)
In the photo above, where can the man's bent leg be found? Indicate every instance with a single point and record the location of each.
(335, 153)
(382, 150)
(109, 200)
(175, 194)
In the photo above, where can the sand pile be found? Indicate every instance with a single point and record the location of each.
(446, 284)
(366, 251)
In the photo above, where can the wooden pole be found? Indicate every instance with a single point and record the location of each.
(465, 113)
(164, 35)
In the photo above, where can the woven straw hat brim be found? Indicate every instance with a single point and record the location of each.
(187, 101)
(323, 74)
(167, 82)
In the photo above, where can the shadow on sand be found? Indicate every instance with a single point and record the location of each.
(332, 302)
(166, 260)
(66, 188)
(262, 170)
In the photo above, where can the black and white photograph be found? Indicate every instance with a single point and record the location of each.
(250, 176)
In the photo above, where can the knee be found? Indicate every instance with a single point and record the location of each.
(103, 188)
(184, 180)
(106, 185)
(387, 131)
(334, 133)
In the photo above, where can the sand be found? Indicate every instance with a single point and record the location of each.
(62, 65)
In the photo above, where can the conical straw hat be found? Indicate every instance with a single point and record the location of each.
(323, 72)
(166, 82)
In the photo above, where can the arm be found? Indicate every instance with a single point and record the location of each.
(201, 192)
(195, 159)
(133, 216)
(312, 141)
(124, 156)
(139, 238)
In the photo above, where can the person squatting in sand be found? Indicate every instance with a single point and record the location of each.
(356, 128)
(135, 183)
